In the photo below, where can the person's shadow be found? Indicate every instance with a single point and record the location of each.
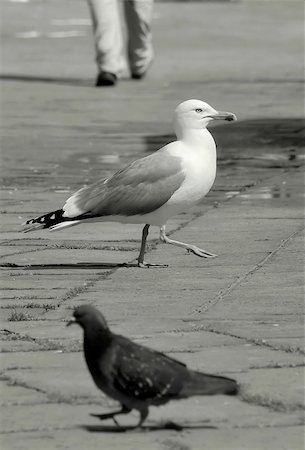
(46, 79)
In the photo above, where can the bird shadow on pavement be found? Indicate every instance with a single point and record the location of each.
(147, 428)
(81, 265)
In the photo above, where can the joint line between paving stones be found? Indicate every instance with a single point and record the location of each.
(44, 344)
(12, 382)
(258, 342)
(274, 405)
(24, 252)
(262, 343)
(223, 293)
(51, 397)
(77, 290)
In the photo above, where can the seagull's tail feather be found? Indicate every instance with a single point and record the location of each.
(51, 220)
(204, 384)
(67, 224)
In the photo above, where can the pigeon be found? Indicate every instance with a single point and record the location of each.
(154, 188)
(137, 376)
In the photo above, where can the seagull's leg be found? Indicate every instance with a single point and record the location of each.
(123, 410)
(191, 248)
(141, 262)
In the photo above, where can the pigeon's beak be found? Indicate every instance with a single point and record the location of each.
(223, 115)
(71, 321)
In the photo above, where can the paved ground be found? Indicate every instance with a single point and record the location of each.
(239, 315)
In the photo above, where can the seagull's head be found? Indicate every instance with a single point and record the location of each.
(196, 114)
(88, 318)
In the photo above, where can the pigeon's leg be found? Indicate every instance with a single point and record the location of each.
(168, 425)
(143, 416)
(123, 410)
(141, 262)
(191, 248)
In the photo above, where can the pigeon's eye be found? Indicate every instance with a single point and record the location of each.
(198, 110)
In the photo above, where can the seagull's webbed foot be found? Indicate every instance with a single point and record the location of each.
(189, 247)
(145, 265)
(198, 251)
(123, 410)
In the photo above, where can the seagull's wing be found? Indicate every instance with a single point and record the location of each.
(147, 375)
(140, 188)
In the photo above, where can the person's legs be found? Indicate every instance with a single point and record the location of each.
(107, 35)
(138, 15)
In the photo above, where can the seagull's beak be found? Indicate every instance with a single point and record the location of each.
(71, 321)
(223, 115)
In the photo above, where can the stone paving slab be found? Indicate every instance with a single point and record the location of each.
(270, 386)
(222, 356)
(19, 345)
(7, 250)
(239, 314)
(18, 395)
(253, 415)
(215, 413)
(264, 386)
(285, 438)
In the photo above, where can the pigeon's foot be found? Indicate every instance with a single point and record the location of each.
(145, 265)
(173, 426)
(106, 416)
(111, 415)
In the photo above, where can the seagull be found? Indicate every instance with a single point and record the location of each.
(154, 188)
(136, 376)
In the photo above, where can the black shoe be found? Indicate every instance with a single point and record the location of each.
(106, 79)
(138, 76)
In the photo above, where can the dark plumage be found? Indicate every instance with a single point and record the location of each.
(137, 376)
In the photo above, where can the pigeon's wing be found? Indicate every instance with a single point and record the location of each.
(147, 375)
(168, 358)
(140, 188)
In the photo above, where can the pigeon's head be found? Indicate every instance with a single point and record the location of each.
(88, 317)
(196, 114)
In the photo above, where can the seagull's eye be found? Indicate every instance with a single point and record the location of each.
(198, 110)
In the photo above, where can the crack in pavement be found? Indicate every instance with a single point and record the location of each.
(254, 341)
(274, 405)
(22, 252)
(224, 292)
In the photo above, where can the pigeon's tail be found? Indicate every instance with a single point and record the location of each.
(204, 384)
(53, 220)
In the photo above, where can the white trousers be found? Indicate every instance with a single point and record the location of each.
(108, 34)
